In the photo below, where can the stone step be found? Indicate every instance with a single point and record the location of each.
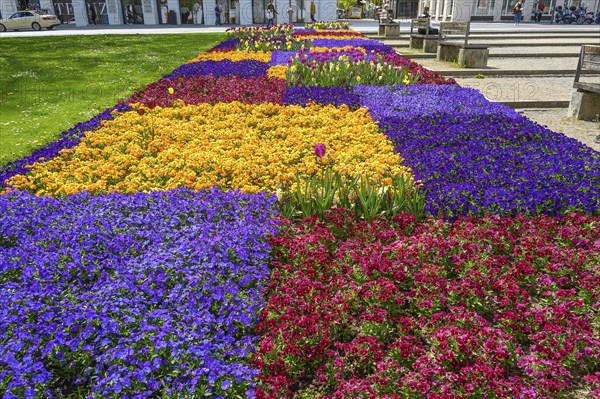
(471, 72)
(513, 35)
(575, 43)
(524, 91)
(420, 56)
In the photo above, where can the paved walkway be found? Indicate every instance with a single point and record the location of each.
(365, 26)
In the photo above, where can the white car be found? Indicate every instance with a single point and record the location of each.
(27, 19)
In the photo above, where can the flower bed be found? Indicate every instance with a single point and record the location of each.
(131, 296)
(157, 295)
(245, 69)
(344, 67)
(209, 89)
(486, 308)
(233, 145)
(475, 157)
(68, 139)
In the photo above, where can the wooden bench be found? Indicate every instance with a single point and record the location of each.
(585, 102)
(455, 46)
(427, 42)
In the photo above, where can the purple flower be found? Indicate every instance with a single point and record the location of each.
(320, 150)
(117, 292)
(225, 385)
(476, 157)
(336, 95)
(245, 69)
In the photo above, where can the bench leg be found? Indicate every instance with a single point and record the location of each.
(447, 53)
(473, 58)
(430, 45)
(416, 43)
(584, 105)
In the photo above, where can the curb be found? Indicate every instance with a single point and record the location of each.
(514, 72)
(502, 55)
(536, 104)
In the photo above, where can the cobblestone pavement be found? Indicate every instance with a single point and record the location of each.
(528, 88)
(557, 121)
(520, 63)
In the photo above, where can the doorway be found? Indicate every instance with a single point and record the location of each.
(133, 12)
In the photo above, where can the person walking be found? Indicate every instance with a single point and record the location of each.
(270, 14)
(130, 17)
(93, 14)
(313, 11)
(518, 12)
(218, 14)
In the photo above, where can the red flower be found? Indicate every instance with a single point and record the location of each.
(141, 111)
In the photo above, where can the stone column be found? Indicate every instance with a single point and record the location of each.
(114, 11)
(8, 7)
(498, 10)
(462, 10)
(438, 8)
(80, 11)
(281, 6)
(245, 12)
(446, 9)
(150, 10)
(174, 6)
(44, 5)
(527, 10)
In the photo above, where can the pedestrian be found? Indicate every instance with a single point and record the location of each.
(540, 10)
(93, 15)
(185, 13)
(130, 18)
(271, 12)
(518, 12)
(313, 11)
(218, 14)
(432, 31)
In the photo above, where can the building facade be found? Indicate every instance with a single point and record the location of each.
(173, 12)
(494, 10)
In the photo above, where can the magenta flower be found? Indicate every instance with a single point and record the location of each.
(320, 150)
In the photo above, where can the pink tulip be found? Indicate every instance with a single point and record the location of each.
(320, 150)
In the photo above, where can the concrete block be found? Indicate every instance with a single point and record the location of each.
(416, 43)
(584, 105)
(473, 58)
(447, 53)
(391, 29)
(430, 45)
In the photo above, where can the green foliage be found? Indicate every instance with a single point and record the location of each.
(48, 84)
(344, 69)
(366, 197)
(346, 4)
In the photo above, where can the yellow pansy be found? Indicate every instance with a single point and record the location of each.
(232, 145)
(277, 71)
(239, 55)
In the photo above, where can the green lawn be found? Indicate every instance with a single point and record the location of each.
(47, 84)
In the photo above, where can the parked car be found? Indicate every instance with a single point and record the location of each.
(27, 19)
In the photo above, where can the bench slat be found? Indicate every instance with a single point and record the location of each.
(591, 61)
(591, 87)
